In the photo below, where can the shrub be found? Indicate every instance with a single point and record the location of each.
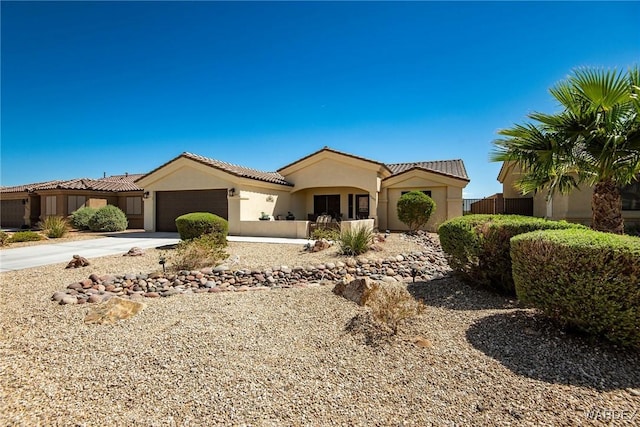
(477, 246)
(25, 236)
(108, 218)
(196, 224)
(415, 209)
(584, 279)
(203, 251)
(325, 233)
(392, 304)
(4, 238)
(355, 241)
(54, 226)
(80, 218)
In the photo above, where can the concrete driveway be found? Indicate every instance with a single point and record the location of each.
(53, 253)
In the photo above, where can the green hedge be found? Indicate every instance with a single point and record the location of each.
(584, 279)
(196, 224)
(108, 218)
(477, 246)
(81, 217)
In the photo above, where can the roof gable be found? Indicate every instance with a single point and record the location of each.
(232, 169)
(451, 168)
(331, 150)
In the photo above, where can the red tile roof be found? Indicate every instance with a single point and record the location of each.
(236, 170)
(111, 183)
(453, 168)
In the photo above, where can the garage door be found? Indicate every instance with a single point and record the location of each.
(11, 213)
(172, 204)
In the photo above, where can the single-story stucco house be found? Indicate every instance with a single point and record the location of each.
(347, 187)
(573, 207)
(26, 205)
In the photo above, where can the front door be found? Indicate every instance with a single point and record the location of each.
(362, 205)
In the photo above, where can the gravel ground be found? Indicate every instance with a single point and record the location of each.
(297, 357)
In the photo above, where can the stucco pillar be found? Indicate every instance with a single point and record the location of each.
(383, 209)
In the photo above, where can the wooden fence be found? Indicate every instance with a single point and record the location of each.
(498, 205)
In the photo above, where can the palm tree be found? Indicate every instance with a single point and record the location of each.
(595, 139)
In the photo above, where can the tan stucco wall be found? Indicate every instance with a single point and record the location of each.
(335, 171)
(445, 192)
(255, 200)
(249, 200)
(289, 229)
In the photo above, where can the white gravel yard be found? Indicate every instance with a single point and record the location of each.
(299, 356)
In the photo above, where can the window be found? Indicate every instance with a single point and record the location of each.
(327, 205)
(631, 197)
(50, 203)
(134, 206)
(75, 202)
(350, 211)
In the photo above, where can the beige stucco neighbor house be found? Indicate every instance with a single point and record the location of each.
(350, 188)
(574, 207)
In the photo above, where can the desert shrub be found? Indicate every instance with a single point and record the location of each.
(414, 209)
(355, 241)
(81, 217)
(108, 218)
(203, 251)
(4, 238)
(477, 246)
(325, 233)
(25, 236)
(196, 224)
(583, 279)
(54, 227)
(392, 304)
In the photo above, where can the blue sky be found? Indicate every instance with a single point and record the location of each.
(113, 87)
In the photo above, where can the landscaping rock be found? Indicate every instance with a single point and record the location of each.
(77, 262)
(135, 251)
(356, 290)
(114, 310)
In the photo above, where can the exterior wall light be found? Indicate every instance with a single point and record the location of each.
(232, 191)
(146, 195)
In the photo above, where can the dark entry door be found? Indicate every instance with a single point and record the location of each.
(327, 204)
(362, 206)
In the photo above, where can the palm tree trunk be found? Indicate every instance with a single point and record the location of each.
(606, 208)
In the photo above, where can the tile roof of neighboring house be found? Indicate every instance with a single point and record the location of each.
(333, 151)
(236, 170)
(111, 183)
(25, 187)
(453, 168)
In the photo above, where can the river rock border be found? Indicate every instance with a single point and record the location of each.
(427, 264)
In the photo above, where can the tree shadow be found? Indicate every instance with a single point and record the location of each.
(451, 293)
(532, 346)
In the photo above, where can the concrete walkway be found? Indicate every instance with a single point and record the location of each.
(53, 253)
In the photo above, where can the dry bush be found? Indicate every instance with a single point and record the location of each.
(204, 251)
(393, 304)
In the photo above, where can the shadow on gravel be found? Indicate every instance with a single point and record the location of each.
(451, 293)
(531, 346)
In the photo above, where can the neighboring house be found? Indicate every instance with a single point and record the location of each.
(26, 205)
(575, 206)
(345, 186)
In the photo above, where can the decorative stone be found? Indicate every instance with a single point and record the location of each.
(77, 262)
(114, 310)
(135, 251)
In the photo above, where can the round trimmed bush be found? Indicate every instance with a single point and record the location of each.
(196, 224)
(80, 218)
(108, 218)
(415, 209)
